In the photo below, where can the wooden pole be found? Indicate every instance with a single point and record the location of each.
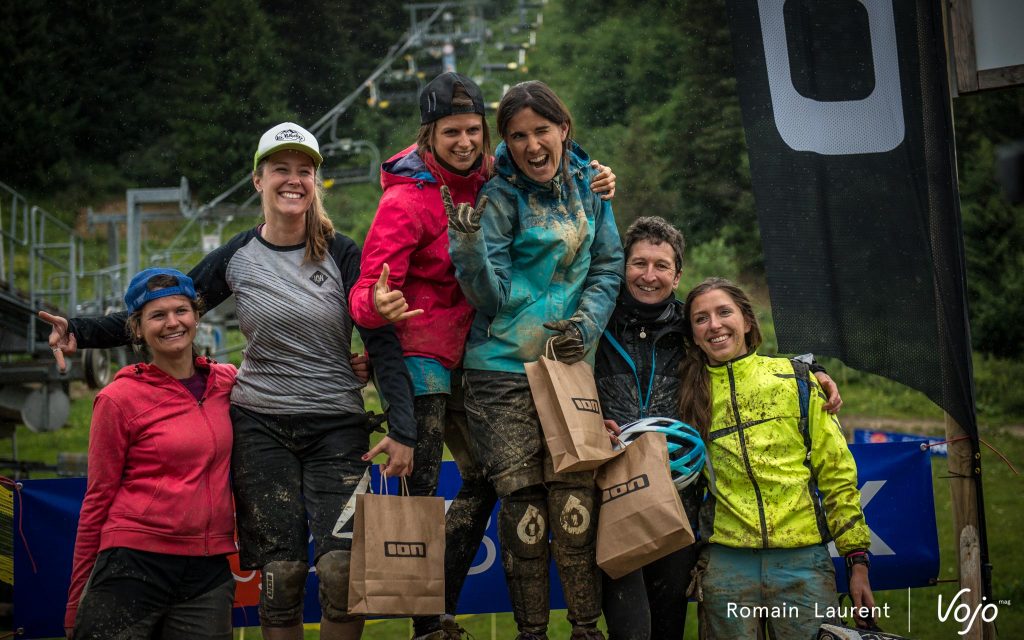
(965, 471)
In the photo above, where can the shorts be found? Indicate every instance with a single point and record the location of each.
(288, 469)
(140, 594)
(505, 434)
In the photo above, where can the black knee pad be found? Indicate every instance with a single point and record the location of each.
(332, 569)
(522, 523)
(572, 514)
(284, 585)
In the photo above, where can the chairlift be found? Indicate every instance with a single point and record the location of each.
(352, 161)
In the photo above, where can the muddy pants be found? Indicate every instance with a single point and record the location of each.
(746, 589)
(135, 594)
(288, 470)
(442, 416)
(506, 438)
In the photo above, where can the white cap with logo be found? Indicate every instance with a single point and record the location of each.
(288, 135)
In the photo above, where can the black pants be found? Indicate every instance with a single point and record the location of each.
(443, 417)
(650, 603)
(135, 594)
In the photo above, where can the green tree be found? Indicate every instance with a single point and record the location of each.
(993, 228)
(216, 79)
(653, 93)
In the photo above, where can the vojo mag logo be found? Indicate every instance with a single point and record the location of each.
(587, 404)
(624, 488)
(402, 549)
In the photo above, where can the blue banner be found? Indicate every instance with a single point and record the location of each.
(896, 491)
(935, 445)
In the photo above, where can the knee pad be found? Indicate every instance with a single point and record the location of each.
(284, 585)
(522, 523)
(333, 569)
(572, 514)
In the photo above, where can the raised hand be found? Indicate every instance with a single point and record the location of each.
(391, 305)
(604, 182)
(463, 218)
(568, 346)
(61, 342)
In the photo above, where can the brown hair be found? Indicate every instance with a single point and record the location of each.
(319, 228)
(134, 321)
(461, 99)
(695, 382)
(655, 230)
(538, 96)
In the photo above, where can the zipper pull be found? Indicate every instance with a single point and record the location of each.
(643, 333)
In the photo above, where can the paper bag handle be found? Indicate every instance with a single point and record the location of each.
(549, 349)
(403, 488)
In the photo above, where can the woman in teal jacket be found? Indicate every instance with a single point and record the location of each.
(539, 258)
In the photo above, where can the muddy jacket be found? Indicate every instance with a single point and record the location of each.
(158, 470)
(543, 253)
(637, 365)
(764, 465)
(410, 234)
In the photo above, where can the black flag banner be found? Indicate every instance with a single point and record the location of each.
(846, 112)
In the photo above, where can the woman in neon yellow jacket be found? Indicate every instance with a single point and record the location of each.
(772, 451)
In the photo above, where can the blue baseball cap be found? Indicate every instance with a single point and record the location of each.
(138, 293)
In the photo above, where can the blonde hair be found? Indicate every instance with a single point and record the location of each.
(319, 228)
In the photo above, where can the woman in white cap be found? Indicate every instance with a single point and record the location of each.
(301, 436)
(408, 279)
(156, 525)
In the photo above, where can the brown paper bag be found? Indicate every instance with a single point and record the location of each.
(642, 517)
(397, 565)
(566, 399)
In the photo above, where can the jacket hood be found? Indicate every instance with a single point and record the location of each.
(506, 168)
(409, 166)
(151, 374)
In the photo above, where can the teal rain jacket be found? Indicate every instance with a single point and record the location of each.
(544, 252)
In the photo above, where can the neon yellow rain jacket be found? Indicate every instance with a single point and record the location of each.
(763, 467)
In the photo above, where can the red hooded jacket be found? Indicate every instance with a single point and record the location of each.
(410, 234)
(158, 470)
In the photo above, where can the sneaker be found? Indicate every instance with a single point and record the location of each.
(586, 633)
(526, 635)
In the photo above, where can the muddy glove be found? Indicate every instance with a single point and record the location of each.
(463, 218)
(568, 347)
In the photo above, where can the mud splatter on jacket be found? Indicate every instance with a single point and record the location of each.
(544, 252)
(762, 467)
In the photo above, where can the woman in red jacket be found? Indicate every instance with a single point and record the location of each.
(156, 524)
(407, 278)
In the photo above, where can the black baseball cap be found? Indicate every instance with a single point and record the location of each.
(436, 97)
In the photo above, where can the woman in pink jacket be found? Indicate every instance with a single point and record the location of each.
(407, 278)
(157, 524)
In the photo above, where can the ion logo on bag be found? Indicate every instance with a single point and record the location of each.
(587, 404)
(396, 549)
(621, 489)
